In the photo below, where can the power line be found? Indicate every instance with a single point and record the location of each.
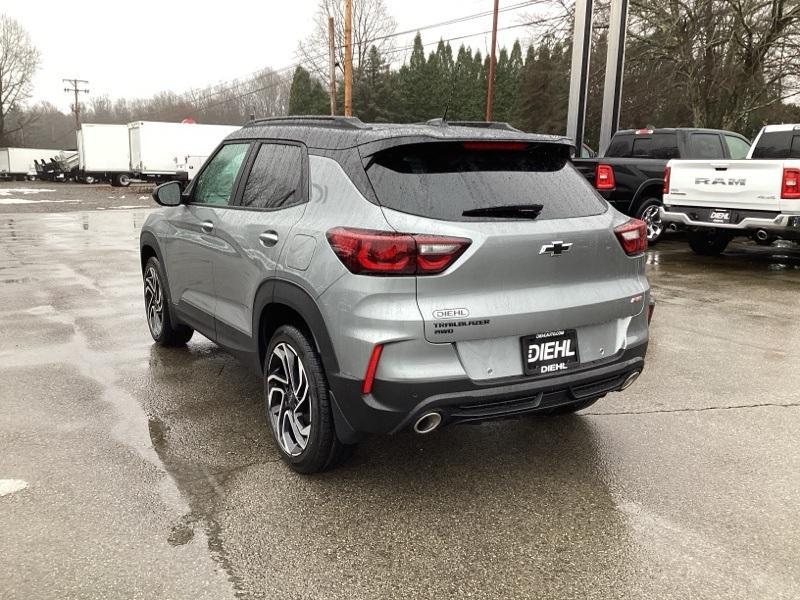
(324, 54)
(275, 84)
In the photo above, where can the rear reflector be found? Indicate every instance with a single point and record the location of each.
(604, 177)
(372, 367)
(667, 171)
(632, 236)
(790, 188)
(515, 146)
(367, 252)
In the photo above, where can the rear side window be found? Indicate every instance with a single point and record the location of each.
(275, 179)
(659, 145)
(737, 147)
(442, 180)
(705, 145)
(778, 145)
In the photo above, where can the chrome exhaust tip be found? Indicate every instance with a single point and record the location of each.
(629, 380)
(672, 227)
(428, 423)
(762, 235)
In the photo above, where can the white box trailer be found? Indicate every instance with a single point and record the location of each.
(104, 153)
(18, 163)
(159, 149)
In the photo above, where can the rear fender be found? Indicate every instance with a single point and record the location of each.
(652, 188)
(279, 291)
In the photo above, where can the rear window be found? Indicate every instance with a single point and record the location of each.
(659, 145)
(778, 145)
(620, 146)
(442, 180)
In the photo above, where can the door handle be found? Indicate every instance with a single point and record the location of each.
(268, 238)
(207, 226)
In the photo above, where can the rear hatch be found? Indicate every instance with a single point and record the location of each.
(742, 184)
(563, 270)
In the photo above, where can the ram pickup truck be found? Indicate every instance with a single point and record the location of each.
(631, 173)
(759, 197)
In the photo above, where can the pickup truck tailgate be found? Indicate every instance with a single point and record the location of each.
(743, 184)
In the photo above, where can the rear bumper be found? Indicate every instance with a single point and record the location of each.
(742, 220)
(393, 406)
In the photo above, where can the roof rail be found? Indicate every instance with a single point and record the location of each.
(477, 124)
(311, 121)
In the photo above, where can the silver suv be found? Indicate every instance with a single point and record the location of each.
(383, 277)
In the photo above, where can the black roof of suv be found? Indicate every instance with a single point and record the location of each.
(337, 133)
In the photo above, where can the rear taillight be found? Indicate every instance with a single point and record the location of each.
(667, 171)
(632, 236)
(790, 188)
(367, 252)
(604, 177)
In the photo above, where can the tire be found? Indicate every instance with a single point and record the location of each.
(568, 409)
(89, 179)
(649, 213)
(156, 306)
(710, 242)
(298, 405)
(121, 180)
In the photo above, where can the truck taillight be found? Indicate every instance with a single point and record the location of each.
(604, 177)
(632, 236)
(667, 171)
(790, 188)
(367, 252)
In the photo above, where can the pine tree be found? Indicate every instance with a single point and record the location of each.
(413, 84)
(373, 98)
(307, 96)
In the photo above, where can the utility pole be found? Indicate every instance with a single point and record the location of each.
(492, 66)
(76, 89)
(332, 65)
(348, 58)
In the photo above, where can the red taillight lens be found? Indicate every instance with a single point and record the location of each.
(632, 236)
(604, 177)
(790, 188)
(667, 171)
(372, 367)
(367, 252)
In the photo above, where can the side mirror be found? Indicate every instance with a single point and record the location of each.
(168, 194)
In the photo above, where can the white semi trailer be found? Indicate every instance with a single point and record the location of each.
(160, 150)
(104, 154)
(19, 163)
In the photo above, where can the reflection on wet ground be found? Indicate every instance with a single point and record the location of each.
(143, 460)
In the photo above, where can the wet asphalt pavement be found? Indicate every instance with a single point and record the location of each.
(150, 472)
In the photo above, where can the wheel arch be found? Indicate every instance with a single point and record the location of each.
(148, 248)
(652, 188)
(279, 302)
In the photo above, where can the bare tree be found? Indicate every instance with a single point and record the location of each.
(731, 58)
(372, 26)
(19, 60)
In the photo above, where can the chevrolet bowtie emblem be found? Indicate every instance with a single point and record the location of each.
(555, 248)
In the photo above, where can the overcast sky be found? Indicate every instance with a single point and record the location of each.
(137, 48)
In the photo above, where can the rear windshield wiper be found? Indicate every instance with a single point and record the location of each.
(511, 211)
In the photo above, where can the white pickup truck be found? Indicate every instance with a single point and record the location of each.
(758, 197)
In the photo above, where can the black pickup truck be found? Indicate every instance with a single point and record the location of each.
(631, 174)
